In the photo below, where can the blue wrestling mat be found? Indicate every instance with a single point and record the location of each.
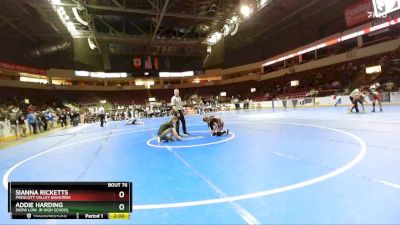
(304, 166)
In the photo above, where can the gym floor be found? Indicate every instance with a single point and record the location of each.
(303, 166)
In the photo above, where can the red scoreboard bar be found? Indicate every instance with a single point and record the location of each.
(70, 200)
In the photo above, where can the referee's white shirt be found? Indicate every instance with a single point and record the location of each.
(355, 93)
(100, 110)
(177, 102)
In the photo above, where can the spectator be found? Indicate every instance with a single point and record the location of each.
(39, 122)
(12, 117)
(75, 118)
(21, 124)
(32, 122)
(50, 119)
(2, 122)
(335, 84)
(43, 118)
(63, 118)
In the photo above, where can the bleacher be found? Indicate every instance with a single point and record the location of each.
(347, 74)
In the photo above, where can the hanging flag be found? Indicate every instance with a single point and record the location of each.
(156, 64)
(147, 63)
(137, 63)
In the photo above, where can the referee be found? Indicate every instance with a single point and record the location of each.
(102, 115)
(176, 103)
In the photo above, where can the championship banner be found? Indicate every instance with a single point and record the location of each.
(147, 63)
(156, 64)
(20, 68)
(137, 63)
(358, 13)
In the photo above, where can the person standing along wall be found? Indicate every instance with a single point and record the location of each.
(21, 124)
(50, 118)
(63, 118)
(32, 121)
(12, 117)
(2, 122)
(43, 118)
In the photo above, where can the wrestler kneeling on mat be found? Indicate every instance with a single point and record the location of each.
(167, 131)
(216, 125)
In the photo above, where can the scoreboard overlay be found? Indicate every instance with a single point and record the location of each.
(70, 200)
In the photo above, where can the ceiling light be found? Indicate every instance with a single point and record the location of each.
(245, 11)
(263, 2)
(65, 19)
(235, 29)
(55, 1)
(226, 30)
(218, 35)
(234, 19)
(212, 39)
(61, 11)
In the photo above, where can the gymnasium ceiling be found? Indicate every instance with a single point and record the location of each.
(166, 28)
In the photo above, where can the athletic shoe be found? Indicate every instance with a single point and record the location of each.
(158, 139)
(373, 110)
(166, 139)
(186, 133)
(381, 110)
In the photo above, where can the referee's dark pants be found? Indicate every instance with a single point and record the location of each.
(181, 118)
(102, 118)
(355, 104)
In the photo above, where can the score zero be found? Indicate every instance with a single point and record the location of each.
(121, 194)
